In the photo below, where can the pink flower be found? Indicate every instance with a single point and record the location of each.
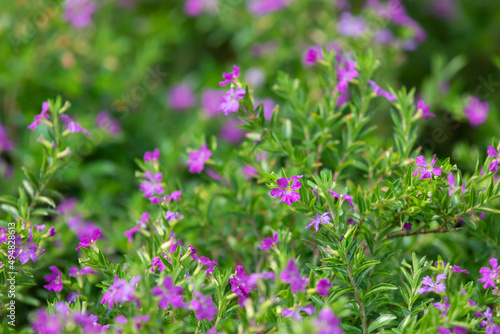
(489, 275)
(431, 286)
(230, 77)
(286, 191)
(492, 152)
(5, 144)
(87, 241)
(249, 172)
(427, 170)
(421, 106)
(169, 293)
(269, 242)
(263, 7)
(78, 12)
(327, 323)
(74, 272)
(230, 131)
(153, 185)
(323, 286)
(39, 117)
(295, 313)
(350, 25)
(121, 291)
(345, 75)
(313, 55)
(342, 197)
(230, 101)
(198, 158)
(211, 99)
(152, 156)
(445, 306)
(240, 286)
(54, 280)
(104, 121)
(181, 97)
(291, 276)
(476, 111)
(27, 250)
(380, 92)
(198, 7)
(72, 126)
(203, 306)
(323, 219)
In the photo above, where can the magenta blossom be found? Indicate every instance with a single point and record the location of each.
(240, 286)
(46, 323)
(453, 186)
(181, 97)
(295, 313)
(457, 269)
(74, 272)
(350, 25)
(230, 101)
(323, 286)
(489, 275)
(174, 196)
(211, 99)
(380, 92)
(72, 126)
(493, 152)
(345, 75)
(206, 262)
(291, 276)
(203, 306)
(198, 158)
(286, 191)
(78, 12)
(269, 242)
(87, 241)
(27, 250)
(313, 56)
(254, 278)
(476, 111)
(230, 131)
(54, 280)
(106, 122)
(5, 144)
(323, 219)
(39, 117)
(444, 306)
(427, 170)
(249, 172)
(343, 197)
(327, 323)
(197, 7)
(263, 7)
(169, 293)
(456, 330)
(431, 286)
(152, 156)
(230, 77)
(424, 108)
(153, 185)
(121, 291)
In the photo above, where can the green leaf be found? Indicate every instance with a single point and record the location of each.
(469, 222)
(10, 209)
(383, 320)
(379, 288)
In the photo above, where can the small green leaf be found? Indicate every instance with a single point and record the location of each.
(383, 320)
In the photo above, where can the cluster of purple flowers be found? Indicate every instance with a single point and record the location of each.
(71, 126)
(230, 102)
(121, 291)
(198, 158)
(291, 276)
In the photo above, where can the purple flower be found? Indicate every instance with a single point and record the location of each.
(380, 92)
(121, 291)
(445, 306)
(54, 280)
(491, 328)
(263, 7)
(349, 25)
(295, 313)
(323, 219)
(476, 111)
(25, 251)
(171, 216)
(130, 233)
(431, 286)
(86, 241)
(407, 226)
(181, 97)
(5, 144)
(249, 172)
(269, 242)
(153, 185)
(342, 197)
(72, 126)
(3, 235)
(140, 318)
(327, 323)
(203, 306)
(345, 75)
(286, 191)
(78, 12)
(493, 152)
(73, 271)
(313, 55)
(427, 170)
(453, 186)
(39, 117)
(211, 99)
(424, 108)
(157, 263)
(198, 158)
(104, 121)
(383, 36)
(230, 131)
(206, 262)
(230, 100)
(254, 278)
(239, 285)
(457, 269)
(169, 293)
(291, 276)
(255, 77)
(197, 7)
(152, 156)
(489, 275)
(323, 286)
(45, 323)
(230, 77)
(343, 98)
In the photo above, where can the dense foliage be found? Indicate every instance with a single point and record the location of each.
(208, 166)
